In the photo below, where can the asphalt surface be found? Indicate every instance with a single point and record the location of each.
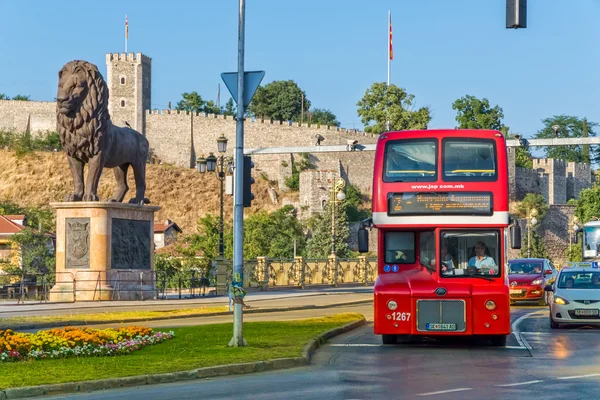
(536, 363)
(273, 298)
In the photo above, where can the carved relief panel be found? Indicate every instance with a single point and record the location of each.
(131, 244)
(77, 242)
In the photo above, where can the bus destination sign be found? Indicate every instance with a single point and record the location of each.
(464, 203)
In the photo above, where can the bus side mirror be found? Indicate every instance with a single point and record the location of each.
(363, 240)
(363, 236)
(515, 236)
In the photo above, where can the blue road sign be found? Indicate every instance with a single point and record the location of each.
(252, 80)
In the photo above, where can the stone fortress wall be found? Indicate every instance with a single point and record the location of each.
(179, 137)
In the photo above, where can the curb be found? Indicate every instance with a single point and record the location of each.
(201, 373)
(214, 314)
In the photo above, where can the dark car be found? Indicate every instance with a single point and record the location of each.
(527, 278)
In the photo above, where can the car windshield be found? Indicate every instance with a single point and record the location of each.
(469, 160)
(591, 241)
(410, 161)
(579, 280)
(524, 268)
(399, 247)
(468, 253)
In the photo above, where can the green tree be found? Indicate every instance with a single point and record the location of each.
(273, 234)
(280, 100)
(4, 97)
(473, 113)
(382, 103)
(191, 102)
(537, 246)
(355, 204)
(322, 116)
(36, 252)
(211, 108)
(35, 217)
(588, 206)
(568, 127)
(303, 163)
(319, 244)
(230, 108)
(21, 97)
(531, 201)
(574, 253)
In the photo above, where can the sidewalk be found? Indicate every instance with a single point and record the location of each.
(256, 300)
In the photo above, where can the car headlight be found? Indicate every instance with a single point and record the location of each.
(490, 305)
(392, 305)
(560, 300)
(537, 282)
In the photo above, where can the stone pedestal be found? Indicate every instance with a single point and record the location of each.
(104, 251)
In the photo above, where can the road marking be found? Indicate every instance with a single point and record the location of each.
(537, 333)
(516, 347)
(519, 383)
(578, 376)
(355, 345)
(517, 333)
(444, 391)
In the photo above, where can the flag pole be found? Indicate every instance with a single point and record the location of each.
(126, 33)
(389, 57)
(389, 47)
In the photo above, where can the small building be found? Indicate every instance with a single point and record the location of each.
(9, 226)
(165, 233)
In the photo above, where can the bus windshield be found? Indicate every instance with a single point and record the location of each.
(469, 160)
(464, 253)
(591, 241)
(411, 160)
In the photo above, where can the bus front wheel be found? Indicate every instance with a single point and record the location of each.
(389, 339)
(498, 340)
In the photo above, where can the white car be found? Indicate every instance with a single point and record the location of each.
(575, 296)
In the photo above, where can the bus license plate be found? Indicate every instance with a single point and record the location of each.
(440, 327)
(586, 312)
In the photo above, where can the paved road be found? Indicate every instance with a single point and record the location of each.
(274, 298)
(537, 363)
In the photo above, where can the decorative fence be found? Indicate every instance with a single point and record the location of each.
(114, 285)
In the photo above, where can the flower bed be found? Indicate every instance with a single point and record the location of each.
(69, 342)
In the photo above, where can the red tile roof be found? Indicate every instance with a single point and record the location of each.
(163, 226)
(8, 227)
(15, 217)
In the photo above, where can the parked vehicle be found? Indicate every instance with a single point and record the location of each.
(575, 298)
(527, 278)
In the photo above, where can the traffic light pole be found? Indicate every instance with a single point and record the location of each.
(238, 211)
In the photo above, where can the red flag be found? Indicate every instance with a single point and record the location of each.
(391, 49)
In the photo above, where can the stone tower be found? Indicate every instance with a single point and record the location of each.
(128, 79)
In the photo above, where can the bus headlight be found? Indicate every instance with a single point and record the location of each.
(490, 305)
(392, 305)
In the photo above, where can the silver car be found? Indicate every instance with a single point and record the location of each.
(575, 296)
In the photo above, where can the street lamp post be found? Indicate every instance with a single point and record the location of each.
(336, 193)
(210, 164)
(531, 221)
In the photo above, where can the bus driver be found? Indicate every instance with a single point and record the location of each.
(481, 260)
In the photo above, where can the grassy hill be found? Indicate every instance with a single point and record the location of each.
(184, 195)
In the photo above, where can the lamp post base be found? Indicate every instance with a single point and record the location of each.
(238, 339)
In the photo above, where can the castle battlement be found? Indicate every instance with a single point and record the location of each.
(578, 168)
(542, 162)
(138, 58)
(28, 103)
(260, 121)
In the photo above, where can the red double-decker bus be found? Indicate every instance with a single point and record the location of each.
(440, 205)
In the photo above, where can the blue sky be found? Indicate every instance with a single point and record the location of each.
(333, 49)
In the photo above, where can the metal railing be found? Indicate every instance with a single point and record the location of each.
(122, 285)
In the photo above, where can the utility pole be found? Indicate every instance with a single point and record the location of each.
(302, 110)
(238, 212)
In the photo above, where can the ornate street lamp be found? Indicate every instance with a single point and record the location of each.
(212, 164)
(201, 164)
(531, 221)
